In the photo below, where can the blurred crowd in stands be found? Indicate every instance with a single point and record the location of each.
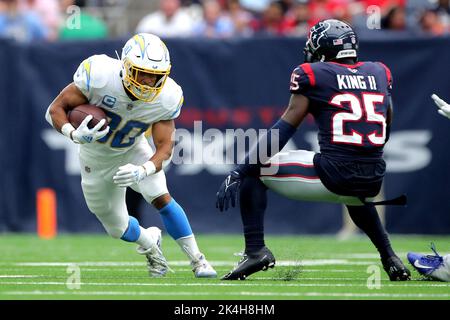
(52, 20)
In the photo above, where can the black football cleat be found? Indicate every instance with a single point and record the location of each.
(395, 269)
(251, 263)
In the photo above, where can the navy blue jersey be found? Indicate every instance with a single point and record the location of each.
(350, 105)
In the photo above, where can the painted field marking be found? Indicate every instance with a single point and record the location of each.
(2, 276)
(140, 268)
(182, 263)
(351, 295)
(221, 284)
(237, 293)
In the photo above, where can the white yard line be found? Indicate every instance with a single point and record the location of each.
(182, 263)
(350, 295)
(109, 293)
(237, 293)
(223, 284)
(18, 276)
(140, 268)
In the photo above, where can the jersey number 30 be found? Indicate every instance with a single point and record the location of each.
(359, 110)
(126, 135)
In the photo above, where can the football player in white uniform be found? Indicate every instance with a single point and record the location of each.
(434, 267)
(135, 92)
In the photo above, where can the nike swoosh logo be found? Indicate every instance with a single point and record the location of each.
(418, 265)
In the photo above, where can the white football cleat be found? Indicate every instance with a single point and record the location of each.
(435, 267)
(156, 262)
(202, 268)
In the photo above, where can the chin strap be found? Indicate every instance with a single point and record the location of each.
(398, 201)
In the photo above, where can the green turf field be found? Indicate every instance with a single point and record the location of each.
(307, 268)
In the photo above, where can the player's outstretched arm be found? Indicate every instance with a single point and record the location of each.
(296, 110)
(444, 107)
(283, 130)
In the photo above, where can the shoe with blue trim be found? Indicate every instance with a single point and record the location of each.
(431, 266)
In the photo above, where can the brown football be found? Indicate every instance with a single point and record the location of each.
(77, 115)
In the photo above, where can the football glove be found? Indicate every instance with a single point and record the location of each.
(229, 191)
(83, 134)
(130, 174)
(444, 108)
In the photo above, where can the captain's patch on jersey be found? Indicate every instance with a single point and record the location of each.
(109, 101)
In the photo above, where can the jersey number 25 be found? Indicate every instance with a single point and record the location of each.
(359, 110)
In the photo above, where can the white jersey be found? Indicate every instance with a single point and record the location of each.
(98, 77)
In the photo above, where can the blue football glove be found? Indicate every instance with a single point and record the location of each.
(229, 190)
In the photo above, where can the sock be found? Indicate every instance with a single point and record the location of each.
(189, 246)
(367, 219)
(145, 240)
(253, 203)
(175, 220)
(135, 233)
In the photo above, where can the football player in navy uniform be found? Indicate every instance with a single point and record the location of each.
(351, 104)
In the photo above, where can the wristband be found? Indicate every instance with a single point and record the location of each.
(149, 168)
(67, 130)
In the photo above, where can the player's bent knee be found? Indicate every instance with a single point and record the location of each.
(161, 201)
(310, 190)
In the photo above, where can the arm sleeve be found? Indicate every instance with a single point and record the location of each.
(176, 109)
(277, 136)
(173, 103)
(389, 82)
(389, 79)
(91, 74)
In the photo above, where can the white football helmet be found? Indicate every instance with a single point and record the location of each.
(145, 55)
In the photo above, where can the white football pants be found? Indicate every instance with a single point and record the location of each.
(104, 198)
(292, 174)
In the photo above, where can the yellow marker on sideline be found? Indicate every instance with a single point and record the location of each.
(46, 213)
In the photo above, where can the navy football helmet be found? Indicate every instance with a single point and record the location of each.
(329, 40)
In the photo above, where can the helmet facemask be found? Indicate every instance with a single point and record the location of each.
(142, 91)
